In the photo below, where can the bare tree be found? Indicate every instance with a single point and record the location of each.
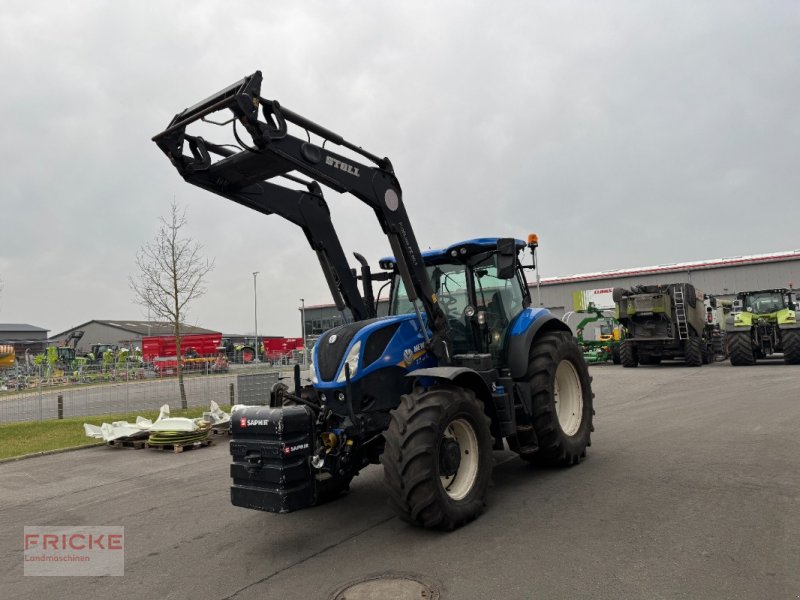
(171, 272)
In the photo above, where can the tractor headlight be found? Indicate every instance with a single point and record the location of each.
(352, 360)
(313, 368)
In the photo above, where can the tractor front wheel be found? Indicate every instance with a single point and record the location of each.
(740, 349)
(437, 462)
(790, 340)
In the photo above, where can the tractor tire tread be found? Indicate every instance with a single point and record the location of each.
(627, 355)
(740, 349)
(555, 447)
(790, 339)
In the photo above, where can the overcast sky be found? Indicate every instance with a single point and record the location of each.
(623, 133)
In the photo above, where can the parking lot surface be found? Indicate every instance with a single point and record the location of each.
(691, 489)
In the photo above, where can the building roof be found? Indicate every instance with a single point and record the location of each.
(6, 327)
(141, 327)
(716, 263)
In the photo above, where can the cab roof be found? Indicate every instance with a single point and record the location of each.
(443, 255)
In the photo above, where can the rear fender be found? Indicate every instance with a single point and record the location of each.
(524, 329)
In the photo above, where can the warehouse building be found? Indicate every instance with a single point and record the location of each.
(123, 333)
(23, 337)
(721, 277)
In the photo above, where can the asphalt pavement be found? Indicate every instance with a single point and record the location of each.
(691, 489)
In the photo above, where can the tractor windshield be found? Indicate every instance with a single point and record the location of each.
(477, 285)
(764, 302)
(504, 297)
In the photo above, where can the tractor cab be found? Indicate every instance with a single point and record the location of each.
(764, 302)
(479, 299)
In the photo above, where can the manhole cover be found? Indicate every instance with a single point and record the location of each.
(387, 586)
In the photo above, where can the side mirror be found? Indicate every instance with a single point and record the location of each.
(506, 258)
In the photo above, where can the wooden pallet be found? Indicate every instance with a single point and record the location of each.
(221, 430)
(136, 444)
(180, 447)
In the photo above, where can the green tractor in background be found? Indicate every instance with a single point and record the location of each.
(763, 323)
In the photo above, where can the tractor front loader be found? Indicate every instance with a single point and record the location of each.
(461, 366)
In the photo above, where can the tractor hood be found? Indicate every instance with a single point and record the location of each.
(367, 346)
(785, 316)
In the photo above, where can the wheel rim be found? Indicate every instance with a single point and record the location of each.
(458, 485)
(568, 398)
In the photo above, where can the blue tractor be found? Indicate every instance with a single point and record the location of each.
(462, 366)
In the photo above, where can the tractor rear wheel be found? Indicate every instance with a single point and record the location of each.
(627, 354)
(437, 462)
(740, 349)
(790, 340)
(563, 402)
(693, 351)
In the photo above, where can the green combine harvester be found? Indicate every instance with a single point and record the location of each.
(763, 323)
(664, 322)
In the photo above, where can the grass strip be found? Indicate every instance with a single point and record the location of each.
(30, 437)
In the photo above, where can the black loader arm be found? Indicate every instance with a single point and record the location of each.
(271, 151)
(307, 209)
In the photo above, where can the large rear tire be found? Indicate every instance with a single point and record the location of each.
(437, 463)
(627, 354)
(693, 351)
(790, 340)
(740, 349)
(563, 402)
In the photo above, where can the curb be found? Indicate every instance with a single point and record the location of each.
(48, 452)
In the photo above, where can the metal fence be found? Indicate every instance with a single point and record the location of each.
(45, 393)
